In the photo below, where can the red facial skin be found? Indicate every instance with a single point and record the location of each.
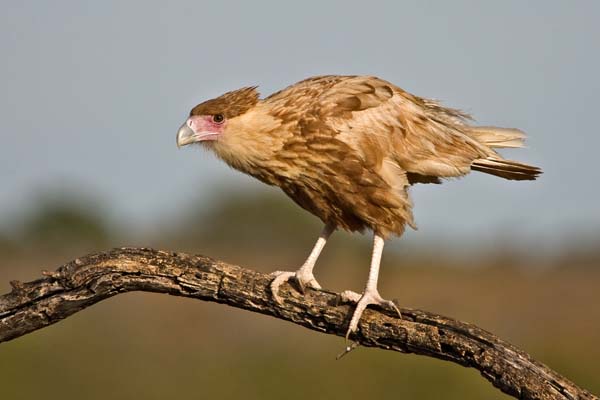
(205, 127)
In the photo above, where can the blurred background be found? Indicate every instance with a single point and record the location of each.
(92, 94)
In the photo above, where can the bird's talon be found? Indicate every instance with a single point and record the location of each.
(347, 337)
(369, 297)
(279, 278)
(301, 280)
(348, 296)
(394, 307)
(301, 286)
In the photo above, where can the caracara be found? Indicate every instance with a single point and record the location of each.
(346, 149)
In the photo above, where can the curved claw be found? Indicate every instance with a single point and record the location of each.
(362, 301)
(280, 278)
(303, 281)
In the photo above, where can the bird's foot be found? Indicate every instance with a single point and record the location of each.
(369, 297)
(303, 278)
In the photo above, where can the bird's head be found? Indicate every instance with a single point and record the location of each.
(213, 120)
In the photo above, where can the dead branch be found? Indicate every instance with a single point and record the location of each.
(93, 278)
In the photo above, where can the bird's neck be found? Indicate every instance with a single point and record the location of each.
(251, 141)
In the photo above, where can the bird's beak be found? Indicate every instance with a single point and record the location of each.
(185, 135)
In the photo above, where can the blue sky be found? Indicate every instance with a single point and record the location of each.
(93, 93)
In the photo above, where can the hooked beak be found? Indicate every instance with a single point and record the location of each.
(186, 135)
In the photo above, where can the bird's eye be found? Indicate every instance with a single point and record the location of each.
(218, 118)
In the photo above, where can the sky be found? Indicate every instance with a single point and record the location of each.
(93, 92)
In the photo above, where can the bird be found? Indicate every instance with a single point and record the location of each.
(347, 148)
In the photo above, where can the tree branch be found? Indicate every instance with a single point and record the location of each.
(93, 278)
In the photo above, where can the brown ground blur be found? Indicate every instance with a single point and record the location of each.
(150, 346)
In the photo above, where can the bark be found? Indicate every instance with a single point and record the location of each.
(93, 278)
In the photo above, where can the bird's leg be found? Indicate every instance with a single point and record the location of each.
(304, 275)
(371, 294)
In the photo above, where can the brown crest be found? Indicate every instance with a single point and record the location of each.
(230, 104)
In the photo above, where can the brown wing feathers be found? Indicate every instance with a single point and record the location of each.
(450, 140)
(346, 148)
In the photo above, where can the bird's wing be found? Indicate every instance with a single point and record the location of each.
(383, 122)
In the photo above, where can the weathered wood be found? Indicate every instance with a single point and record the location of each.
(93, 278)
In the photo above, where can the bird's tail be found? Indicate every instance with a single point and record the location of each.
(506, 169)
(496, 165)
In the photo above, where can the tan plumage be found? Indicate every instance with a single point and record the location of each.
(347, 148)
